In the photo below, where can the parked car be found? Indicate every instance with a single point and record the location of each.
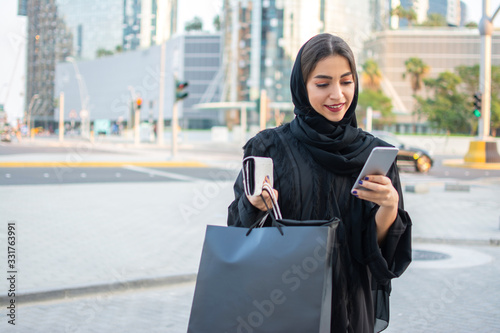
(414, 158)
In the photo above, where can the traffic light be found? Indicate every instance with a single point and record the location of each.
(138, 102)
(477, 104)
(179, 87)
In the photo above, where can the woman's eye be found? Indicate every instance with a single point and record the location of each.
(321, 85)
(347, 82)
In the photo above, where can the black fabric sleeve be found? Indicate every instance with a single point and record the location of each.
(392, 258)
(241, 213)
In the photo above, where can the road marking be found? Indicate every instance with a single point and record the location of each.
(103, 164)
(118, 175)
(46, 175)
(83, 175)
(7, 175)
(153, 172)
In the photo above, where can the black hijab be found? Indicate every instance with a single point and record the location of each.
(340, 147)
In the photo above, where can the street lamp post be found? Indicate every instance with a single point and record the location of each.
(486, 30)
(485, 149)
(84, 113)
(28, 120)
(61, 117)
(160, 122)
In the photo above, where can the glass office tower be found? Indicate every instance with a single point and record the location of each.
(85, 30)
(262, 37)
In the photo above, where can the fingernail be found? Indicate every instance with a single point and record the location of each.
(366, 178)
(360, 182)
(354, 192)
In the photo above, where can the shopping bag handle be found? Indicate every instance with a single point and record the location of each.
(276, 208)
(275, 213)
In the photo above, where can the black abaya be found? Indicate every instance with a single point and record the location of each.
(315, 165)
(307, 191)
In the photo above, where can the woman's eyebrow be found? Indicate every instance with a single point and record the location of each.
(322, 76)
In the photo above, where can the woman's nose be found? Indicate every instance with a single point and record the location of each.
(335, 92)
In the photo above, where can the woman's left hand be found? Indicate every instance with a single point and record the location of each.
(382, 192)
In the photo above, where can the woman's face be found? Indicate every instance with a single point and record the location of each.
(330, 87)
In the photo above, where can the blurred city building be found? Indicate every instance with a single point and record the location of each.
(201, 67)
(109, 86)
(58, 29)
(254, 51)
(442, 49)
(49, 41)
(22, 7)
(262, 37)
(453, 11)
(111, 26)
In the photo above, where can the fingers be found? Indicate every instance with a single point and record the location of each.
(378, 189)
(378, 179)
(257, 201)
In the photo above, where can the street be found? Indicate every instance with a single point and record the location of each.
(126, 174)
(117, 248)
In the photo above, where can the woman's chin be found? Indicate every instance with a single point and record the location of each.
(333, 116)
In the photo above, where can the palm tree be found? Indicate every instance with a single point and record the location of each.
(371, 75)
(372, 94)
(417, 70)
(435, 20)
(196, 24)
(402, 13)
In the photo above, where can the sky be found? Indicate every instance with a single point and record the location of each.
(204, 9)
(475, 10)
(13, 42)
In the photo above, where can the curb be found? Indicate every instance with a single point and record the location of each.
(459, 163)
(104, 164)
(115, 287)
(457, 241)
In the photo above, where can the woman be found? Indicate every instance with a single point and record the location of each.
(317, 158)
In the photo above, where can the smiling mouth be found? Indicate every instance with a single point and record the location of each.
(335, 107)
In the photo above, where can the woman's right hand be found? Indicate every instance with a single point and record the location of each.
(257, 201)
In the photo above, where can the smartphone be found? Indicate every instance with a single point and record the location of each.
(255, 170)
(378, 163)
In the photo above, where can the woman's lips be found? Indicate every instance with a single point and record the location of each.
(335, 107)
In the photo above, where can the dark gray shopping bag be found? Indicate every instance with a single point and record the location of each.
(272, 279)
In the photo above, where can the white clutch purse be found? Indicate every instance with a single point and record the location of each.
(255, 171)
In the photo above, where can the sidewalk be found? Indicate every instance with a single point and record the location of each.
(454, 211)
(146, 238)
